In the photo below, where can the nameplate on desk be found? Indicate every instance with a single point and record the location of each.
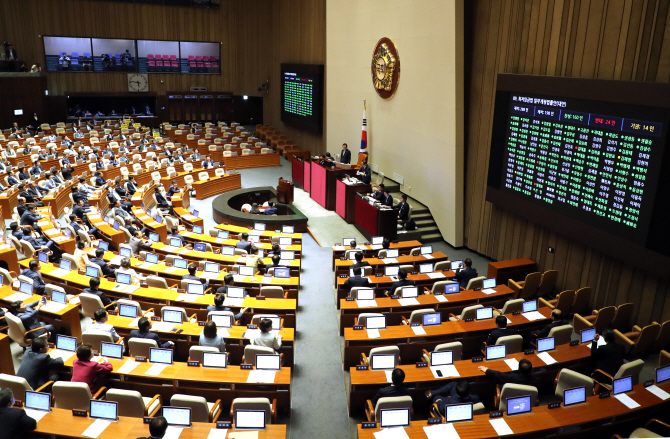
(260, 297)
(648, 383)
(246, 366)
(438, 293)
(603, 395)
(476, 289)
(433, 421)
(80, 413)
(141, 359)
(496, 414)
(358, 327)
(349, 299)
(343, 258)
(226, 425)
(415, 272)
(147, 419)
(366, 243)
(469, 319)
(395, 296)
(51, 346)
(421, 364)
(574, 342)
(516, 313)
(395, 242)
(167, 264)
(155, 319)
(477, 359)
(181, 290)
(554, 405)
(359, 367)
(202, 323)
(379, 275)
(529, 351)
(369, 425)
(343, 275)
(415, 324)
(18, 403)
(446, 269)
(193, 363)
(252, 326)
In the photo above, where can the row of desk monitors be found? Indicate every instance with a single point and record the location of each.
(394, 252)
(261, 227)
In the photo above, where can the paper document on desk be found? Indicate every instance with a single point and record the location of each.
(601, 342)
(391, 433)
(169, 248)
(233, 301)
(408, 302)
(261, 376)
(133, 323)
(338, 248)
(60, 353)
(219, 240)
(241, 260)
(116, 260)
(156, 369)
(238, 278)
(366, 303)
(146, 265)
(53, 307)
(429, 256)
(242, 435)
(513, 363)
(389, 378)
(51, 232)
(448, 370)
(59, 272)
(59, 238)
(183, 251)
(627, 401)
(172, 432)
(223, 332)
(75, 300)
(43, 223)
(436, 275)
(441, 431)
(659, 392)
(548, 359)
(373, 333)
(170, 270)
(533, 315)
(187, 297)
(131, 289)
(162, 326)
(440, 298)
(217, 433)
(180, 228)
(35, 414)
(418, 330)
(209, 275)
(95, 429)
(390, 261)
(266, 280)
(17, 296)
(128, 367)
(500, 426)
(188, 217)
(488, 291)
(376, 247)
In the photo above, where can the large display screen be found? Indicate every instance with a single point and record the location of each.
(302, 96)
(65, 54)
(583, 156)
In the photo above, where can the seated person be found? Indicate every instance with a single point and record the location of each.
(402, 282)
(275, 262)
(192, 268)
(524, 375)
(455, 392)
(86, 371)
(14, 421)
(501, 331)
(220, 298)
(379, 194)
(272, 209)
(254, 208)
(144, 326)
(464, 274)
(556, 321)
(16, 231)
(244, 244)
(100, 324)
(397, 388)
(80, 254)
(254, 260)
(37, 364)
(359, 261)
(126, 269)
(265, 337)
(209, 337)
(32, 272)
(174, 189)
(157, 428)
(357, 281)
(608, 357)
(106, 269)
(174, 233)
(162, 202)
(93, 284)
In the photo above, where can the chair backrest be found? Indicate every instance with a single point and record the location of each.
(561, 334)
(175, 308)
(195, 352)
(71, 396)
(531, 285)
(564, 301)
(455, 346)
(250, 352)
(582, 300)
(624, 313)
(547, 283)
(645, 340)
(394, 402)
(17, 384)
(354, 291)
(16, 329)
(475, 282)
(71, 258)
(272, 291)
(188, 167)
(156, 282)
(140, 346)
(203, 176)
(256, 319)
(130, 402)
(253, 404)
(95, 338)
(470, 311)
(94, 265)
(417, 315)
(512, 305)
(220, 172)
(513, 342)
(511, 390)
(387, 350)
(663, 339)
(90, 303)
(7, 278)
(633, 369)
(197, 404)
(567, 379)
(363, 317)
(134, 303)
(604, 318)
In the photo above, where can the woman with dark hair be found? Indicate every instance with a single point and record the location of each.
(210, 337)
(266, 337)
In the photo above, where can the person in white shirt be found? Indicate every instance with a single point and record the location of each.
(100, 324)
(266, 337)
(125, 268)
(210, 337)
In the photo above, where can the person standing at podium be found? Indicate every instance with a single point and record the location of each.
(345, 155)
(364, 173)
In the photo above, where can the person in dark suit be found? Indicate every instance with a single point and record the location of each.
(379, 195)
(609, 357)
(364, 173)
(396, 389)
(345, 155)
(80, 210)
(14, 421)
(192, 268)
(556, 320)
(106, 269)
(144, 326)
(23, 175)
(218, 303)
(403, 209)
(387, 199)
(37, 364)
(455, 392)
(11, 178)
(30, 217)
(356, 281)
(271, 210)
(27, 315)
(131, 186)
(99, 179)
(208, 162)
(93, 289)
(501, 331)
(157, 428)
(402, 281)
(524, 375)
(10, 52)
(173, 189)
(465, 273)
(244, 244)
(359, 261)
(162, 202)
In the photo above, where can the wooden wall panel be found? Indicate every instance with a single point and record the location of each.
(608, 39)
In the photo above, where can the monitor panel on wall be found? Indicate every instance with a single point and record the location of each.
(114, 55)
(199, 57)
(301, 103)
(158, 56)
(585, 159)
(67, 54)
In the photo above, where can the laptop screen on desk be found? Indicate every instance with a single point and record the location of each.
(356, 272)
(259, 226)
(289, 230)
(221, 321)
(66, 343)
(382, 362)
(196, 213)
(622, 385)
(251, 419)
(587, 335)
(352, 256)
(128, 311)
(215, 359)
(432, 319)
(376, 322)
(200, 247)
(228, 251)
(246, 271)
(268, 362)
(175, 242)
(347, 241)
(455, 265)
(441, 358)
(151, 258)
(425, 268)
(575, 395)
(66, 265)
(38, 401)
(391, 271)
(426, 249)
(26, 288)
(197, 230)
(198, 289)
(392, 253)
(178, 416)
(235, 292)
(496, 352)
(285, 241)
(42, 257)
(489, 283)
(154, 237)
(545, 344)
(111, 350)
(58, 296)
(459, 412)
(282, 273)
(223, 234)
(530, 306)
(394, 418)
(485, 313)
(123, 278)
(287, 255)
(163, 356)
(518, 405)
(451, 288)
(173, 316)
(212, 267)
(103, 245)
(104, 410)
(180, 263)
(116, 225)
(662, 374)
(125, 252)
(365, 294)
(409, 292)
(91, 271)
(377, 240)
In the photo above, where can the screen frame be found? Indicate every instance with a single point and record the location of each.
(574, 403)
(294, 120)
(97, 401)
(530, 406)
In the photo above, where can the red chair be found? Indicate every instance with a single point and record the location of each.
(151, 65)
(212, 58)
(150, 56)
(192, 66)
(198, 58)
(191, 58)
(173, 57)
(175, 65)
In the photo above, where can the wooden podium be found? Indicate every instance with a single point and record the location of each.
(285, 192)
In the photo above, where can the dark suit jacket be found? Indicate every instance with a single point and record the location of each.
(356, 281)
(403, 212)
(345, 157)
(497, 333)
(388, 392)
(149, 335)
(515, 377)
(367, 178)
(35, 367)
(387, 201)
(544, 332)
(79, 211)
(244, 245)
(360, 264)
(401, 283)
(14, 421)
(106, 270)
(609, 357)
(463, 275)
(270, 211)
(101, 294)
